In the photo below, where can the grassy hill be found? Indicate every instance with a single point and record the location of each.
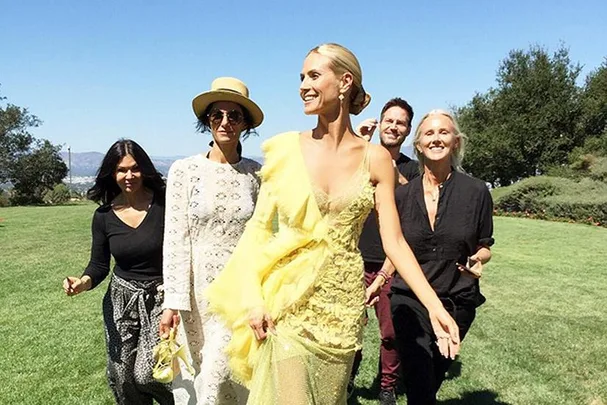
(539, 339)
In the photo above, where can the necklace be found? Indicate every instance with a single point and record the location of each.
(431, 189)
(434, 195)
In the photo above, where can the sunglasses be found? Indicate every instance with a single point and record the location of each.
(235, 117)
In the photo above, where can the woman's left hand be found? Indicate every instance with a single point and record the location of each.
(446, 331)
(169, 320)
(474, 267)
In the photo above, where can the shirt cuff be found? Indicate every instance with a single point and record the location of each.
(180, 302)
(486, 242)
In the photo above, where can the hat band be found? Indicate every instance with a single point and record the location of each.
(231, 91)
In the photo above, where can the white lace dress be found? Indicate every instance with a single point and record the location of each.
(207, 207)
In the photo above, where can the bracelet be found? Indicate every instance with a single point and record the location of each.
(385, 275)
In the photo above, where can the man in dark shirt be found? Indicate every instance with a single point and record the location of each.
(394, 127)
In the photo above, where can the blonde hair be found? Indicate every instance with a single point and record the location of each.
(342, 60)
(457, 156)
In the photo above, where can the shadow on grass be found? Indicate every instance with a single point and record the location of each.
(372, 392)
(455, 370)
(482, 397)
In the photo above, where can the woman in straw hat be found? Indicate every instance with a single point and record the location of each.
(210, 197)
(294, 299)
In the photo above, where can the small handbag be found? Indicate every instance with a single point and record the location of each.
(166, 354)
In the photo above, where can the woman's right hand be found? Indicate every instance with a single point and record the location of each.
(169, 319)
(76, 285)
(446, 331)
(367, 128)
(261, 323)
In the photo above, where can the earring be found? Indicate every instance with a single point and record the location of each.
(341, 97)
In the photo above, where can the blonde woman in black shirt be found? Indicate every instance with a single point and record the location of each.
(128, 226)
(446, 218)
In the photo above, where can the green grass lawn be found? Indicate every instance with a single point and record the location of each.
(539, 339)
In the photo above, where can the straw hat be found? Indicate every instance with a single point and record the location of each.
(228, 89)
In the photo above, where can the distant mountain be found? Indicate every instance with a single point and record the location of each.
(86, 164)
(83, 164)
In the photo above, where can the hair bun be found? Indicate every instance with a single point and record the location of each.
(360, 101)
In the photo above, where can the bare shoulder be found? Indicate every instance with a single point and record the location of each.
(379, 157)
(379, 153)
(306, 133)
(380, 163)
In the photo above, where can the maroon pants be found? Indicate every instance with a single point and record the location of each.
(388, 355)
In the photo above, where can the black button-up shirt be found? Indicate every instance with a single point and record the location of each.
(370, 241)
(464, 222)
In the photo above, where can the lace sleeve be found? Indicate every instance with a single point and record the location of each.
(177, 247)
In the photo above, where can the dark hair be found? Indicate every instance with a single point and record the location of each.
(203, 124)
(106, 189)
(398, 102)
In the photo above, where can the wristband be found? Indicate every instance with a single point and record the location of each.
(385, 275)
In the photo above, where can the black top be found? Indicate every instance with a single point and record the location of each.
(370, 242)
(137, 251)
(464, 221)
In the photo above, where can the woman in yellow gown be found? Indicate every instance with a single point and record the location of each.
(294, 297)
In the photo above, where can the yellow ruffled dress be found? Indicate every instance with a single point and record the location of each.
(308, 275)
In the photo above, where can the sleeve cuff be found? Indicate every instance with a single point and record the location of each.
(488, 242)
(180, 302)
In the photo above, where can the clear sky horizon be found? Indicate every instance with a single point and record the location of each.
(96, 71)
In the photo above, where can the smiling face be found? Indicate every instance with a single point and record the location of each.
(128, 175)
(394, 127)
(226, 120)
(436, 138)
(320, 87)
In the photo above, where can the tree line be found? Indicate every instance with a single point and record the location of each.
(32, 167)
(537, 118)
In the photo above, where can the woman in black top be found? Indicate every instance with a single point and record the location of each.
(129, 226)
(446, 218)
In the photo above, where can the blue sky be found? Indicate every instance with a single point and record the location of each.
(96, 71)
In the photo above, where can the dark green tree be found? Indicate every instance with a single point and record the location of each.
(60, 194)
(528, 122)
(15, 139)
(593, 122)
(36, 172)
(32, 166)
(594, 102)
